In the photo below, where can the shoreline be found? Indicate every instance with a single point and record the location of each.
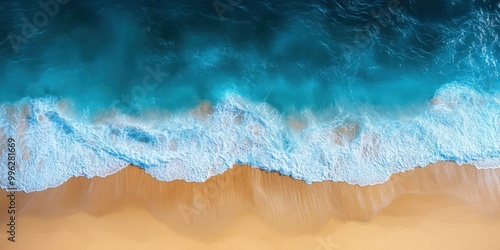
(246, 204)
(365, 150)
(254, 187)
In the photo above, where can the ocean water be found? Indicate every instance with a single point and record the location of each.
(317, 90)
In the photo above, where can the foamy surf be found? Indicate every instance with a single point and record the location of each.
(460, 124)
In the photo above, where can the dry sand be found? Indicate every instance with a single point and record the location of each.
(442, 206)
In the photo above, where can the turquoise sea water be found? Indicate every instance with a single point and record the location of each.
(377, 87)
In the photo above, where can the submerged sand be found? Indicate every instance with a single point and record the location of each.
(441, 206)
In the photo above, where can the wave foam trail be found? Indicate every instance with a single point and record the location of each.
(460, 124)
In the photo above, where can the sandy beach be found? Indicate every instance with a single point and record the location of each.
(258, 125)
(441, 206)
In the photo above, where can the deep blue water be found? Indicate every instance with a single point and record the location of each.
(111, 83)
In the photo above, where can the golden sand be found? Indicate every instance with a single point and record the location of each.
(441, 206)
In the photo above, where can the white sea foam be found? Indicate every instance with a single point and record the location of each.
(461, 125)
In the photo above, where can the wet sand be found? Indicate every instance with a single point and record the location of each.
(441, 206)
